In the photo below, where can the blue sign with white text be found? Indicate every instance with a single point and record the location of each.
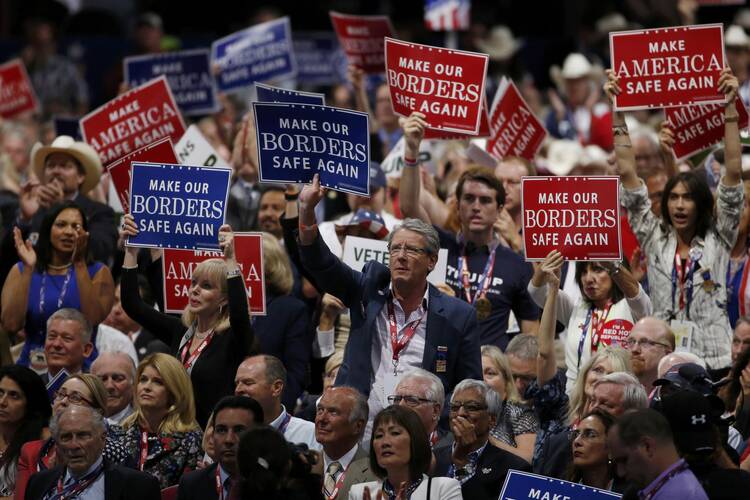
(261, 53)
(178, 206)
(319, 58)
(297, 141)
(188, 73)
(527, 486)
(267, 93)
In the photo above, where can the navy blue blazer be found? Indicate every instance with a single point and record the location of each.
(451, 323)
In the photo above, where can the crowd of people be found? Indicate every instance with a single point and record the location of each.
(630, 376)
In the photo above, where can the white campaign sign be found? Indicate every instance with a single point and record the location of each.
(359, 251)
(393, 163)
(194, 149)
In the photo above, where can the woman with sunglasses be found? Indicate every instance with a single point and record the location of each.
(81, 389)
(611, 302)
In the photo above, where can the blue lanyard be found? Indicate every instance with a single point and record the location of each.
(583, 334)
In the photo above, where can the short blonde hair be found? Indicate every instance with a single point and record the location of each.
(95, 387)
(500, 360)
(215, 270)
(181, 412)
(620, 359)
(276, 267)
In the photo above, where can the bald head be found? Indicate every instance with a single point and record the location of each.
(678, 358)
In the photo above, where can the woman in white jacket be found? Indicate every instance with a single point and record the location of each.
(610, 304)
(400, 454)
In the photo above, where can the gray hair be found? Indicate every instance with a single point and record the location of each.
(360, 410)
(435, 390)
(122, 354)
(274, 369)
(96, 418)
(431, 240)
(634, 395)
(491, 398)
(523, 346)
(70, 314)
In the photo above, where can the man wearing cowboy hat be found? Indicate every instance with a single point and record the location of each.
(581, 117)
(66, 170)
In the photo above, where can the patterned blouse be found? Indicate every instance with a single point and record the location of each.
(514, 419)
(169, 455)
(708, 308)
(550, 403)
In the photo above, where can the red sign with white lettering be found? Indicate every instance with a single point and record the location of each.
(516, 131)
(576, 215)
(445, 85)
(160, 151)
(699, 127)
(484, 129)
(133, 120)
(178, 266)
(665, 67)
(362, 38)
(16, 93)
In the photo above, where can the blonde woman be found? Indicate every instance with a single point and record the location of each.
(608, 360)
(162, 435)
(285, 330)
(516, 427)
(219, 334)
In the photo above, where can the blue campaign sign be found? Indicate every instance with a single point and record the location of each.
(319, 58)
(178, 206)
(527, 486)
(267, 93)
(188, 73)
(261, 53)
(297, 141)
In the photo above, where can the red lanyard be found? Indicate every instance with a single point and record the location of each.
(144, 450)
(339, 484)
(597, 325)
(664, 480)
(219, 486)
(78, 486)
(434, 438)
(396, 344)
(188, 362)
(484, 281)
(682, 275)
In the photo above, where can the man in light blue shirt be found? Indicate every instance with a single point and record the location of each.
(642, 449)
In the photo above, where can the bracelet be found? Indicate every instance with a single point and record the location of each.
(732, 119)
(291, 197)
(620, 129)
(410, 162)
(303, 227)
(624, 145)
(234, 273)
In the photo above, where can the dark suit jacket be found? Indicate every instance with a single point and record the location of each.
(451, 323)
(120, 483)
(198, 485)
(146, 344)
(492, 467)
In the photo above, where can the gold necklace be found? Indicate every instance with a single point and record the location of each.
(59, 268)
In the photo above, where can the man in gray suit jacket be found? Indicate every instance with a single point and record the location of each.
(340, 420)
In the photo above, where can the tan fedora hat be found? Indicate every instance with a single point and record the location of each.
(81, 151)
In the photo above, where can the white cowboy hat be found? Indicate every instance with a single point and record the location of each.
(85, 154)
(735, 36)
(742, 18)
(563, 155)
(575, 66)
(500, 44)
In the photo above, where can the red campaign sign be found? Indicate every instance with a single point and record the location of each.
(178, 265)
(446, 85)
(160, 151)
(665, 67)
(16, 93)
(362, 38)
(133, 120)
(484, 129)
(699, 127)
(516, 131)
(576, 215)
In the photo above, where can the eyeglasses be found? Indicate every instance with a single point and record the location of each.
(411, 251)
(642, 343)
(73, 397)
(411, 401)
(587, 434)
(469, 406)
